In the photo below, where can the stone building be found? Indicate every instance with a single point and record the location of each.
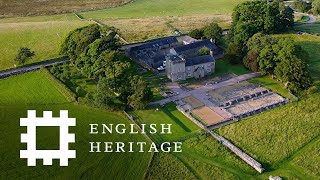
(184, 62)
(179, 68)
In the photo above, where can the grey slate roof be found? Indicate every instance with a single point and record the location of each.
(199, 60)
(155, 43)
(198, 44)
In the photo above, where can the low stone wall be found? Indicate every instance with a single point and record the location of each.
(245, 157)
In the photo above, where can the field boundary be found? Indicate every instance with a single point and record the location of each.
(62, 88)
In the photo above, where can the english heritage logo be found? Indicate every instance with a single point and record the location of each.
(32, 122)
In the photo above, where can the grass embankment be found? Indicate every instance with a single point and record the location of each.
(35, 91)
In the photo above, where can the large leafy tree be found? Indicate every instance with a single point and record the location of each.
(141, 93)
(24, 54)
(94, 50)
(258, 16)
(302, 5)
(213, 31)
(280, 58)
(316, 7)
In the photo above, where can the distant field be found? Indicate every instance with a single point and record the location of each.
(163, 8)
(136, 21)
(42, 37)
(34, 89)
(10, 8)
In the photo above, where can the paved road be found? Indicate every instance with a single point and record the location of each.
(201, 93)
(11, 72)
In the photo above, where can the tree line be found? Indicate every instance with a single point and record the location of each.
(248, 42)
(94, 51)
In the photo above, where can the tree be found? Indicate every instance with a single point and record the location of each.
(260, 56)
(234, 53)
(213, 31)
(24, 54)
(316, 7)
(251, 61)
(294, 73)
(103, 96)
(204, 51)
(259, 16)
(302, 5)
(197, 34)
(78, 41)
(142, 93)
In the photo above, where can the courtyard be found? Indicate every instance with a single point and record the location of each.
(223, 99)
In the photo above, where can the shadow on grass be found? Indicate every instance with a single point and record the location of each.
(167, 110)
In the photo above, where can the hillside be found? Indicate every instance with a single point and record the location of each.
(13, 8)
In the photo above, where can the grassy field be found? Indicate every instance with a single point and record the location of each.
(167, 166)
(15, 92)
(203, 158)
(36, 7)
(140, 20)
(154, 8)
(181, 125)
(284, 139)
(42, 37)
(272, 84)
(34, 91)
(309, 28)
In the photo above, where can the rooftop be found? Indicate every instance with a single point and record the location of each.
(155, 43)
(198, 44)
(199, 60)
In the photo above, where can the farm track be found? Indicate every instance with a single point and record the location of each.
(32, 67)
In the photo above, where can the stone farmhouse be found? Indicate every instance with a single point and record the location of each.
(184, 62)
(179, 55)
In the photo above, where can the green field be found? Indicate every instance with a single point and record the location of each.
(181, 125)
(30, 88)
(42, 37)
(162, 8)
(202, 158)
(35, 91)
(309, 28)
(284, 139)
(136, 21)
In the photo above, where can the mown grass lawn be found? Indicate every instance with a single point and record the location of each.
(181, 125)
(34, 91)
